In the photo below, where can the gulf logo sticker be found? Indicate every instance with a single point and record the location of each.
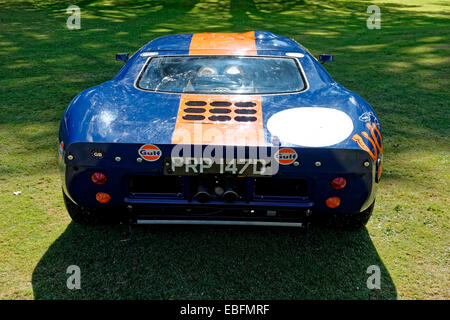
(286, 156)
(150, 152)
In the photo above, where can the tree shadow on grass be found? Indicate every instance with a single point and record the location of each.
(177, 262)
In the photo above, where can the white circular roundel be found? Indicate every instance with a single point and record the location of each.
(311, 126)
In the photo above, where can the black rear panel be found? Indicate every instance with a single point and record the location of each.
(247, 188)
(281, 187)
(155, 184)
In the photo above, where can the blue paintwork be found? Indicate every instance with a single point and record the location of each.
(118, 118)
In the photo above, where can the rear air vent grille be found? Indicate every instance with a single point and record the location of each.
(245, 119)
(193, 117)
(221, 111)
(219, 118)
(245, 111)
(220, 104)
(195, 103)
(195, 110)
(247, 104)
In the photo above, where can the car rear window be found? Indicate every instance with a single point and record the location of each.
(221, 74)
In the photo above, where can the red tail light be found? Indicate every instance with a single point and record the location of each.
(102, 197)
(338, 183)
(98, 178)
(333, 202)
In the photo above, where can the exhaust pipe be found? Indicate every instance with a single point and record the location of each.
(230, 195)
(202, 194)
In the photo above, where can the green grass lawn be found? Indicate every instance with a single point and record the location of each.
(402, 70)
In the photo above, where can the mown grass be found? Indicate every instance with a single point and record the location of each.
(401, 69)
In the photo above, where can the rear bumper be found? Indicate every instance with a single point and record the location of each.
(147, 203)
(240, 204)
(216, 212)
(221, 222)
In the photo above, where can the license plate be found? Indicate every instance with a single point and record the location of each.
(239, 167)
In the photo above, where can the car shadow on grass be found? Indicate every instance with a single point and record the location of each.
(196, 262)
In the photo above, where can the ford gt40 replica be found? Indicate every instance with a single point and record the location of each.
(220, 128)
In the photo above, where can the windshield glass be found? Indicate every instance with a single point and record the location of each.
(222, 74)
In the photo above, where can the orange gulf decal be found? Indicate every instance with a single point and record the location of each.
(219, 120)
(379, 145)
(357, 138)
(373, 139)
(223, 43)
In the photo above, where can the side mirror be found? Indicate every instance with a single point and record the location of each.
(122, 57)
(326, 58)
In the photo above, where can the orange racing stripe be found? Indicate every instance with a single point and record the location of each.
(223, 43)
(230, 126)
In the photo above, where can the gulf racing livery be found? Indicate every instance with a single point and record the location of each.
(220, 128)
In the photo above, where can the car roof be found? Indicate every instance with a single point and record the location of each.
(261, 41)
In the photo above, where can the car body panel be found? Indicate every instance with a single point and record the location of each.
(118, 118)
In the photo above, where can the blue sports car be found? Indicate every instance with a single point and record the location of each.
(220, 128)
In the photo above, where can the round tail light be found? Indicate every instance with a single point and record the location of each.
(333, 202)
(98, 178)
(338, 183)
(102, 197)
